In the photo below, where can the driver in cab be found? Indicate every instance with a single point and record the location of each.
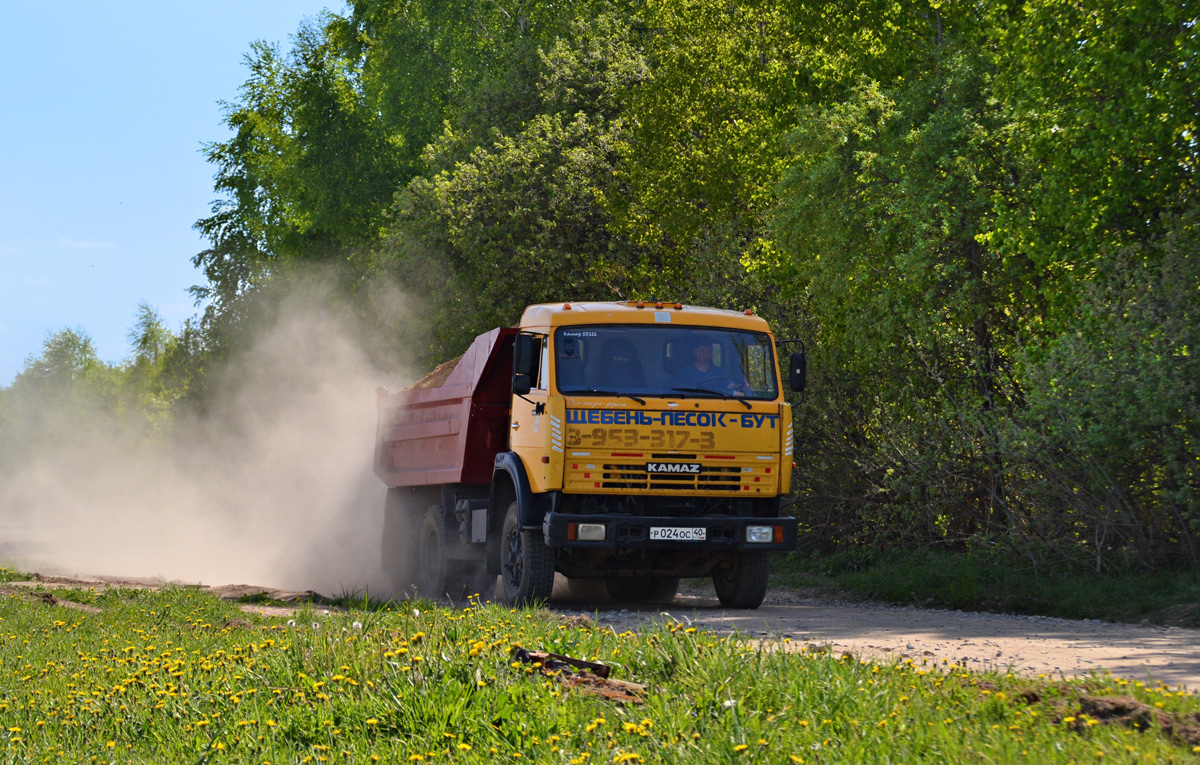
(702, 374)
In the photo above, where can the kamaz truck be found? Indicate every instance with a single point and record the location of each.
(634, 443)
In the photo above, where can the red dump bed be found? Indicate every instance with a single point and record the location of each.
(451, 433)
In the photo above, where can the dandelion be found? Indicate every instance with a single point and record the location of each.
(741, 747)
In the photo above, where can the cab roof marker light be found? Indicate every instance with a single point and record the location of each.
(749, 311)
(566, 306)
(641, 304)
(679, 306)
(658, 305)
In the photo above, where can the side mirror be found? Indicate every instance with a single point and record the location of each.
(522, 384)
(524, 358)
(798, 371)
(524, 354)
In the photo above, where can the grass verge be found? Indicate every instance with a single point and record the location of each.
(984, 581)
(180, 676)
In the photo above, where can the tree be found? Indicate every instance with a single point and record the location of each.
(523, 220)
(1104, 101)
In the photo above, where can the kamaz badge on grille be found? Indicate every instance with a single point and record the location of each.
(673, 467)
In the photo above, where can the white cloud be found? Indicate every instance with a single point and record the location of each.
(75, 244)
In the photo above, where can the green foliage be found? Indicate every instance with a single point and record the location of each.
(1104, 101)
(1111, 435)
(523, 219)
(886, 199)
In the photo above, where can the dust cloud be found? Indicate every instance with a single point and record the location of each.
(272, 486)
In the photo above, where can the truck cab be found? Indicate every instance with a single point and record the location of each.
(645, 442)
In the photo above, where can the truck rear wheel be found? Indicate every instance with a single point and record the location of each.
(526, 563)
(657, 589)
(743, 584)
(437, 575)
(401, 524)
(431, 563)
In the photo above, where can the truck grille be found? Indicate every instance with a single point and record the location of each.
(671, 474)
(634, 476)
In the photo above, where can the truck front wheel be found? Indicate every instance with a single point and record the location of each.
(526, 563)
(742, 583)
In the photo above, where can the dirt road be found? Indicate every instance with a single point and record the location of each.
(1028, 645)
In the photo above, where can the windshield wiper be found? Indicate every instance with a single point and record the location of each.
(713, 394)
(595, 392)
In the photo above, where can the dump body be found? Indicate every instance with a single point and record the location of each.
(451, 433)
(627, 442)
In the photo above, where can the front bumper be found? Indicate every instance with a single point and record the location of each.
(632, 531)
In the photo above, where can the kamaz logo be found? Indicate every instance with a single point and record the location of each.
(672, 467)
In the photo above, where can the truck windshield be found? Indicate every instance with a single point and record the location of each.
(639, 360)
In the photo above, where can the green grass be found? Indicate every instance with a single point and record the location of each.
(994, 582)
(170, 676)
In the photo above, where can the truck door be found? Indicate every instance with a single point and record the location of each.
(530, 420)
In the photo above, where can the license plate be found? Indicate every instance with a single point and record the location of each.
(678, 533)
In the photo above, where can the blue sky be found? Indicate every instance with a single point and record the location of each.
(103, 110)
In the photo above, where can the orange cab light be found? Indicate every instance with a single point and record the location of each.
(573, 531)
(778, 536)
(641, 304)
(679, 306)
(566, 306)
(658, 305)
(749, 311)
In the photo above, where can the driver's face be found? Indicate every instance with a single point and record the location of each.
(703, 352)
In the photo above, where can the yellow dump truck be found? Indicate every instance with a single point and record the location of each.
(635, 443)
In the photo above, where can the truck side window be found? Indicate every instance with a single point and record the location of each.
(543, 370)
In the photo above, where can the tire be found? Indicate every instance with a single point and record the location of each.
(431, 559)
(743, 584)
(526, 563)
(438, 576)
(657, 589)
(398, 548)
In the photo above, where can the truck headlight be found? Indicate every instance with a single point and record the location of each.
(591, 532)
(760, 534)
